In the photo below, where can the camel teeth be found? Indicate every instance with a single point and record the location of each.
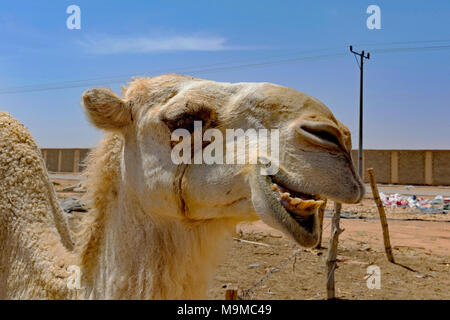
(274, 187)
(301, 205)
(310, 203)
(285, 196)
(306, 204)
(295, 201)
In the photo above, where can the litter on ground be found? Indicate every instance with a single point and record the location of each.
(436, 205)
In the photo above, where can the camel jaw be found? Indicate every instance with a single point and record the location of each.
(287, 209)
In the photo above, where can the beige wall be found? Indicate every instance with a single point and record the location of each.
(441, 167)
(380, 161)
(411, 167)
(64, 160)
(423, 167)
(416, 167)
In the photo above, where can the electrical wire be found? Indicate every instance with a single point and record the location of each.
(207, 69)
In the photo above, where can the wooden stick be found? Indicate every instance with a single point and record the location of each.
(231, 294)
(321, 213)
(384, 224)
(332, 249)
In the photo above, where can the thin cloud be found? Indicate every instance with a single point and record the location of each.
(115, 45)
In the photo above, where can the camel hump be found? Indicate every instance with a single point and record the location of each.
(28, 203)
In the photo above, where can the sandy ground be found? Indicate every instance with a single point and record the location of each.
(421, 244)
(421, 250)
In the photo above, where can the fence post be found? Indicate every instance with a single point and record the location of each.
(332, 249)
(231, 294)
(382, 213)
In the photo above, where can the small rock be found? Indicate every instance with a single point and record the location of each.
(422, 276)
(254, 265)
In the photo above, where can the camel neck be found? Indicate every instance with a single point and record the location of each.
(154, 257)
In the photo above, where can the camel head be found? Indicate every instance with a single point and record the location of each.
(313, 160)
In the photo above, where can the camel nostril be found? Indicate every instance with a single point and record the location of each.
(321, 134)
(324, 135)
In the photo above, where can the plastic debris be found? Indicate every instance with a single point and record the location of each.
(436, 205)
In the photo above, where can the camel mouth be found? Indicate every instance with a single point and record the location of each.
(300, 206)
(290, 210)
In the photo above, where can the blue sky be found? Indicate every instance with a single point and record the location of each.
(407, 96)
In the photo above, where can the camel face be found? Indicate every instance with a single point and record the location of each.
(314, 152)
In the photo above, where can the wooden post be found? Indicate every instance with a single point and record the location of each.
(231, 294)
(321, 212)
(384, 225)
(332, 249)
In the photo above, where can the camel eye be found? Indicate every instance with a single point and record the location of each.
(184, 122)
(191, 114)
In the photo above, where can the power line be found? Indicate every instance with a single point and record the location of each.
(84, 83)
(392, 50)
(101, 81)
(250, 59)
(401, 42)
(109, 78)
(356, 60)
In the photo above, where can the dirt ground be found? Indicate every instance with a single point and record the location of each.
(421, 247)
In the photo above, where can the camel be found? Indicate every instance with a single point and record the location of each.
(157, 230)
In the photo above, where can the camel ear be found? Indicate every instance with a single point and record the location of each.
(106, 110)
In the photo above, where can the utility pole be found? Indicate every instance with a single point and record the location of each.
(361, 68)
